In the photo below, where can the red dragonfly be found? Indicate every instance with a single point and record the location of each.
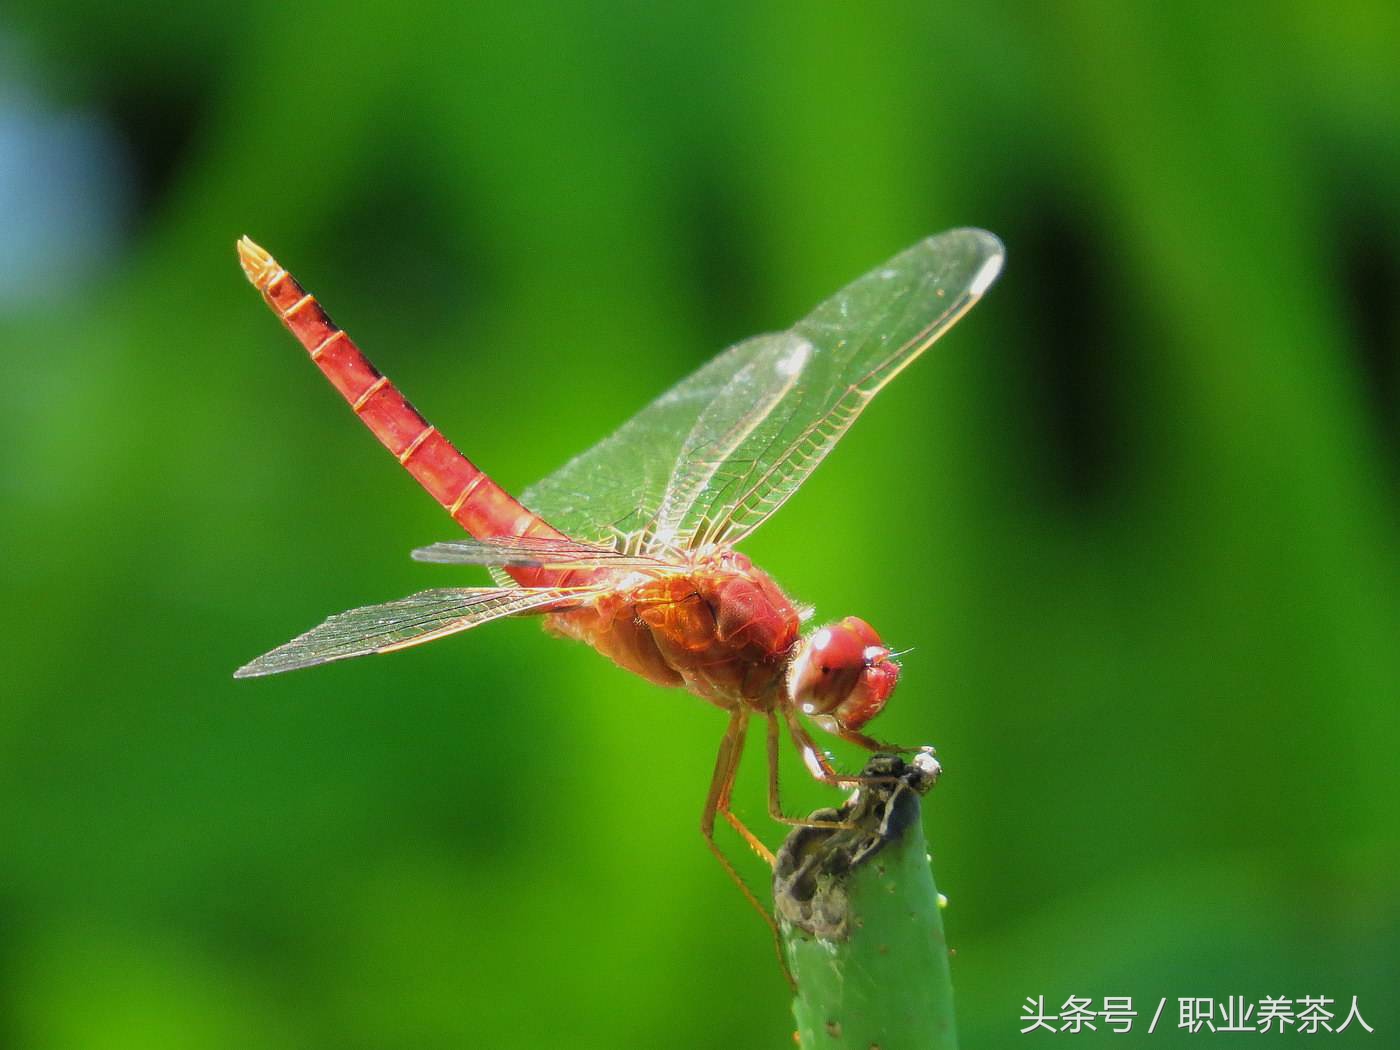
(629, 547)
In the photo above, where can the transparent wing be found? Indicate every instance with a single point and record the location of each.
(533, 552)
(714, 456)
(409, 621)
(729, 420)
(862, 337)
(616, 488)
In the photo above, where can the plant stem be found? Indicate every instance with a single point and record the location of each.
(861, 920)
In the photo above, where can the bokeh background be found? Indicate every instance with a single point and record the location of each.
(1138, 514)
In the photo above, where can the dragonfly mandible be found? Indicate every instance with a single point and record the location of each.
(630, 546)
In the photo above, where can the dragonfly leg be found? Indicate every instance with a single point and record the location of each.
(726, 766)
(871, 744)
(721, 784)
(775, 807)
(819, 765)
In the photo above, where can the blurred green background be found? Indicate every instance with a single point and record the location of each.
(1138, 514)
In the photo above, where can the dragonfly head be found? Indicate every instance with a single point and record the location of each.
(842, 675)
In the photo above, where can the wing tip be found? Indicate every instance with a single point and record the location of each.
(265, 665)
(989, 272)
(986, 244)
(262, 669)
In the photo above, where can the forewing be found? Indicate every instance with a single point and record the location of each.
(720, 451)
(409, 621)
(616, 487)
(727, 422)
(861, 338)
(533, 552)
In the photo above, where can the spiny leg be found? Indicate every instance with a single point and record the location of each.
(819, 765)
(871, 744)
(717, 801)
(726, 766)
(775, 808)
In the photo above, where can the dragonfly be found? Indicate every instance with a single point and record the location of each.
(630, 547)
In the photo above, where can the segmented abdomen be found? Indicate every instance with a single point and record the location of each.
(468, 494)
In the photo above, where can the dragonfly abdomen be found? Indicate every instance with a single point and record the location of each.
(466, 492)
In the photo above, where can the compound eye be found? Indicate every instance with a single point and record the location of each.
(830, 668)
(858, 628)
(836, 650)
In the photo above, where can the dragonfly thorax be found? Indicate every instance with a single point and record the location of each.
(842, 675)
(720, 628)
